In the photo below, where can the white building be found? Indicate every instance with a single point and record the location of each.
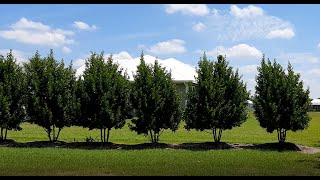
(181, 73)
(315, 105)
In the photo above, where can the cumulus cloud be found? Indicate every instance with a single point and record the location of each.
(121, 55)
(199, 27)
(246, 23)
(37, 33)
(250, 11)
(237, 51)
(248, 69)
(281, 34)
(173, 46)
(188, 9)
(84, 26)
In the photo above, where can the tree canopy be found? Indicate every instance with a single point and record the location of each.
(155, 100)
(217, 100)
(280, 101)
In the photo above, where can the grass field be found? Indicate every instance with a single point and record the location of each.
(63, 161)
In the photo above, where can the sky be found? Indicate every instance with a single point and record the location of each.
(241, 32)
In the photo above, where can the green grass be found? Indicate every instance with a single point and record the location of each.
(51, 161)
(248, 133)
(63, 161)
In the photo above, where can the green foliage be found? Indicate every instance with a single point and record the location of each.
(51, 94)
(217, 100)
(12, 95)
(280, 101)
(155, 100)
(105, 95)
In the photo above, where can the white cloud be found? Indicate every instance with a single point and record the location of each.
(84, 26)
(249, 11)
(19, 55)
(246, 23)
(281, 33)
(24, 23)
(188, 9)
(66, 50)
(122, 55)
(78, 63)
(319, 45)
(248, 69)
(172, 46)
(199, 27)
(238, 51)
(36, 33)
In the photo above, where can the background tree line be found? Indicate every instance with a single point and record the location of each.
(46, 92)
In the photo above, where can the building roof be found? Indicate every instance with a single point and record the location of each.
(315, 102)
(180, 71)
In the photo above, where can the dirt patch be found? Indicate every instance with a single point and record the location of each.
(308, 150)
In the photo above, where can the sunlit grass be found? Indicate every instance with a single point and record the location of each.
(249, 132)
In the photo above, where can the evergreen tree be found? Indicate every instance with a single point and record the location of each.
(105, 96)
(280, 101)
(52, 102)
(155, 100)
(218, 99)
(12, 95)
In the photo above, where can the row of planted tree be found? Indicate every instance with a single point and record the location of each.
(45, 92)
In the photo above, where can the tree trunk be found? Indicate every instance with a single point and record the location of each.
(282, 134)
(49, 135)
(54, 133)
(101, 135)
(5, 134)
(155, 137)
(108, 133)
(58, 134)
(151, 136)
(216, 137)
(1, 134)
(104, 134)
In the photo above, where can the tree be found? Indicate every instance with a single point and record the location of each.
(155, 100)
(217, 100)
(105, 96)
(12, 95)
(280, 102)
(51, 94)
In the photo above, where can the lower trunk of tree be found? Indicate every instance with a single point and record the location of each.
(103, 136)
(108, 133)
(1, 134)
(58, 134)
(54, 133)
(49, 135)
(282, 135)
(154, 137)
(5, 134)
(151, 137)
(54, 136)
(216, 135)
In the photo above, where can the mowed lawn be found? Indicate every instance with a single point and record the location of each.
(63, 161)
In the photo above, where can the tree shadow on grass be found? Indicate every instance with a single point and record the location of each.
(184, 146)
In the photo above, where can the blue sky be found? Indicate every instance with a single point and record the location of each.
(242, 32)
